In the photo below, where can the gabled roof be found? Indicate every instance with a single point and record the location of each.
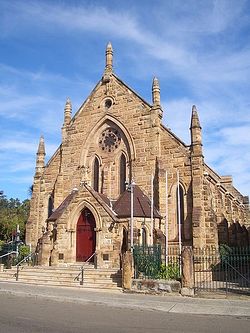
(142, 204)
(61, 208)
(99, 83)
(132, 90)
(101, 198)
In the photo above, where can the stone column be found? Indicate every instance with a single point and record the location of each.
(187, 271)
(44, 250)
(127, 270)
(54, 255)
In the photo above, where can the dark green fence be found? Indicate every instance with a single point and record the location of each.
(8, 253)
(147, 261)
(8, 247)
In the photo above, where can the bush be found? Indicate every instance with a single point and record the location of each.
(169, 272)
(23, 251)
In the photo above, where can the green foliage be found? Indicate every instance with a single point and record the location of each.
(13, 212)
(225, 249)
(24, 251)
(147, 266)
(169, 272)
(147, 261)
(1, 244)
(225, 252)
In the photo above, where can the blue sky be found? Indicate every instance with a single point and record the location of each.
(51, 50)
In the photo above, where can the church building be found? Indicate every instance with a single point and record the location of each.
(121, 178)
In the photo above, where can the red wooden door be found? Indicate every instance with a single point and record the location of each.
(85, 236)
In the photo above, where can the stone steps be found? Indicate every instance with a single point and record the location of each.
(65, 276)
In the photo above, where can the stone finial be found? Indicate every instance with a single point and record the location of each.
(67, 111)
(195, 128)
(109, 58)
(156, 98)
(40, 156)
(41, 146)
(195, 122)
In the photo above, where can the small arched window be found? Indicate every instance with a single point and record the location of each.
(143, 237)
(50, 205)
(180, 204)
(122, 173)
(96, 174)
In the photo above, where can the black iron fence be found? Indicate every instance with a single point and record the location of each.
(153, 262)
(219, 270)
(223, 270)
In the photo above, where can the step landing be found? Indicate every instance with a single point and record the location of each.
(70, 276)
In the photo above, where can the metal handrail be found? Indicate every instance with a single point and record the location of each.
(82, 269)
(25, 258)
(7, 254)
(10, 242)
(20, 262)
(92, 255)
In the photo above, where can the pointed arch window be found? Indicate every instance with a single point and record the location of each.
(143, 237)
(122, 173)
(50, 205)
(96, 174)
(180, 204)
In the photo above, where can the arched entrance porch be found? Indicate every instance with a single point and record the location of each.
(85, 236)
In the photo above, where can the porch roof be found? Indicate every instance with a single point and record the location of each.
(61, 208)
(142, 204)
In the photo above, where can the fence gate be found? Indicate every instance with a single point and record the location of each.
(223, 270)
(147, 261)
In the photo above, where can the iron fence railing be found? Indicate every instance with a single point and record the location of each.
(147, 261)
(222, 269)
(150, 262)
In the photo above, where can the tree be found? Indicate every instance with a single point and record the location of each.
(13, 212)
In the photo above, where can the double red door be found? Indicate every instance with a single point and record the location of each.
(85, 236)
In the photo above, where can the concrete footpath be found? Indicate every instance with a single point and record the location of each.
(118, 299)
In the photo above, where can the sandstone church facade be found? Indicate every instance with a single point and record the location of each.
(81, 201)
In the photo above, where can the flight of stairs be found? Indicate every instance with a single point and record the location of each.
(101, 278)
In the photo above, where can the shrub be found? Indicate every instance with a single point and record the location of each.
(24, 251)
(169, 272)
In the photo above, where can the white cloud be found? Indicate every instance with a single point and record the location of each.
(236, 136)
(30, 146)
(198, 49)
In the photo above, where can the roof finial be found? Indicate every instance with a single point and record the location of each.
(156, 97)
(196, 135)
(109, 58)
(41, 146)
(67, 111)
(40, 157)
(195, 122)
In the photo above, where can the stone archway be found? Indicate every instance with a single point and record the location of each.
(85, 236)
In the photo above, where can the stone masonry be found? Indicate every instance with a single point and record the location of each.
(116, 136)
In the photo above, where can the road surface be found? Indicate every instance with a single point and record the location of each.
(32, 314)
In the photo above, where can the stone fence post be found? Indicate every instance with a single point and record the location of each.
(127, 270)
(187, 271)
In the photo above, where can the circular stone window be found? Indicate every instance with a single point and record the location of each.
(108, 103)
(109, 140)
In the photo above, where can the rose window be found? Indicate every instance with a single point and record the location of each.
(110, 139)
